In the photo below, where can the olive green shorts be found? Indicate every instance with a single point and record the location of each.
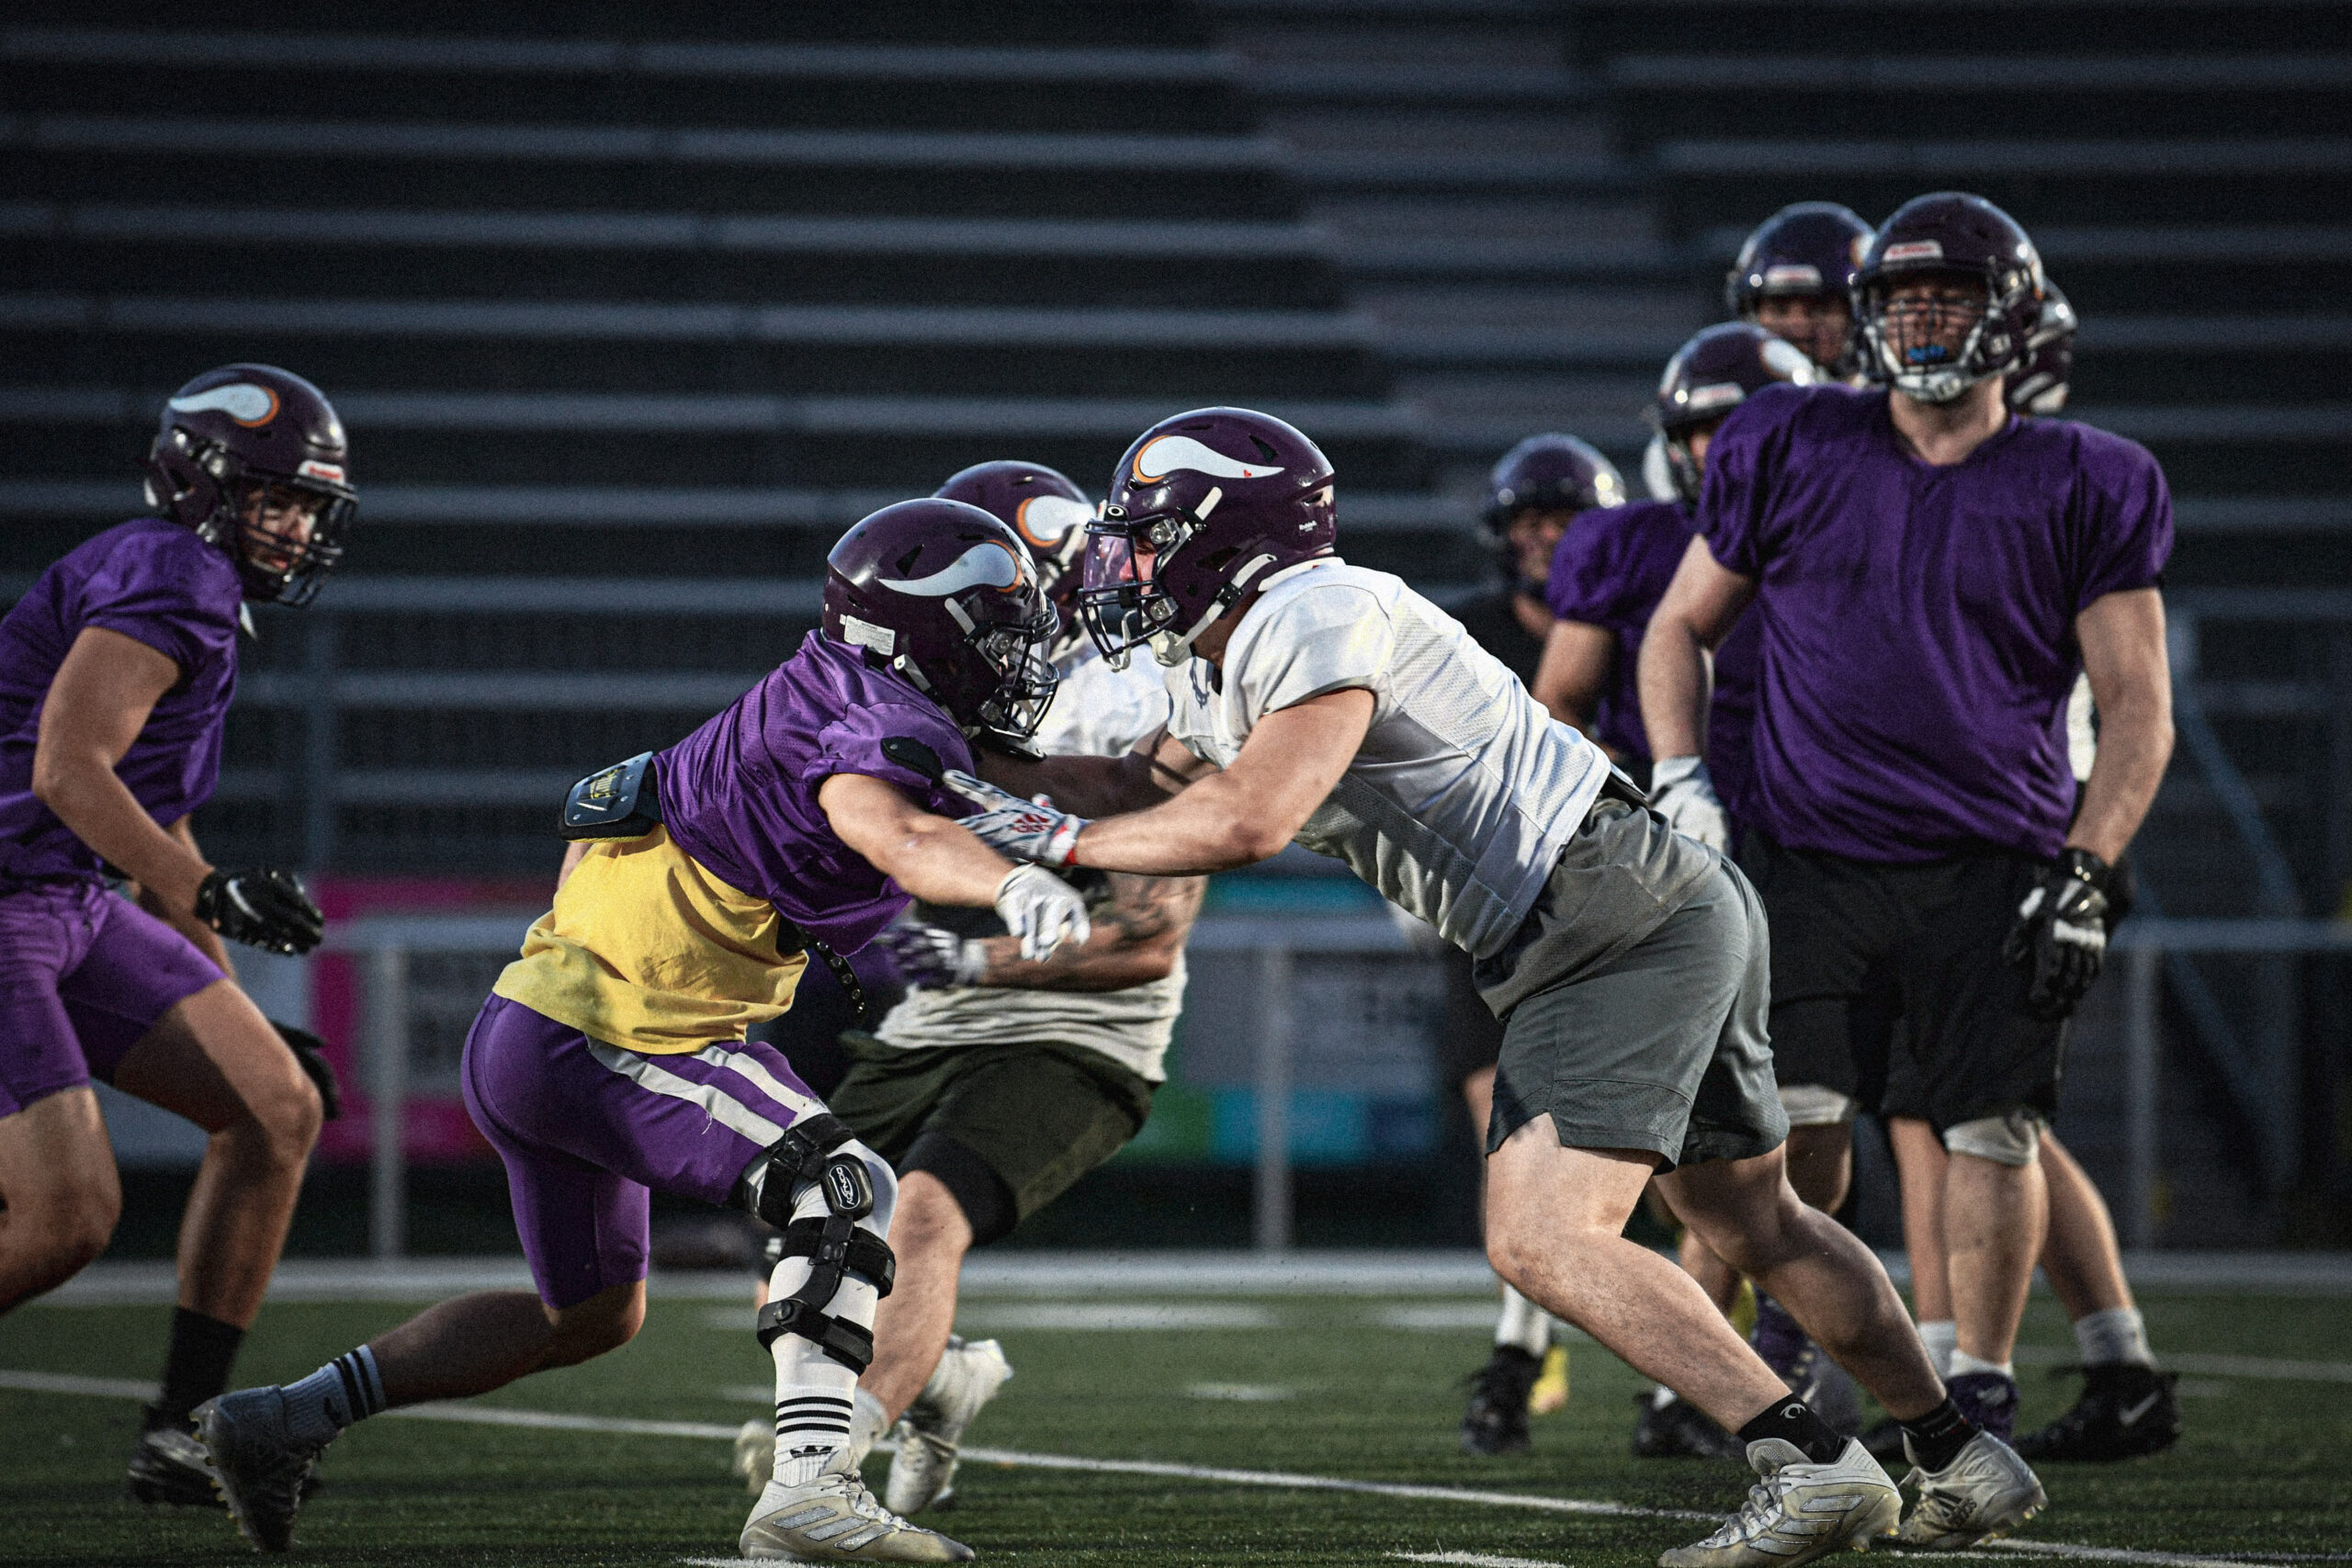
(1032, 1116)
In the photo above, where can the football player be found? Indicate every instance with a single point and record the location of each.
(1000, 1081)
(1324, 704)
(610, 1059)
(116, 671)
(1609, 574)
(1793, 278)
(2127, 1407)
(1535, 493)
(1930, 572)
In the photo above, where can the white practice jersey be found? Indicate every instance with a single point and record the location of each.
(1097, 712)
(1465, 790)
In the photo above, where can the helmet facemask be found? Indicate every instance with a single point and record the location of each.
(1909, 345)
(213, 493)
(1026, 678)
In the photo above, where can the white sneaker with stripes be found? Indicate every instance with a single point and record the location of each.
(835, 1519)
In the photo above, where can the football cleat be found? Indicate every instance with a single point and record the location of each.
(1884, 1441)
(1829, 1392)
(1989, 1399)
(262, 1472)
(923, 1472)
(169, 1466)
(1551, 1390)
(1985, 1491)
(2124, 1412)
(1673, 1428)
(1496, 1422)
(755, 1454)
(1799, 1510)
(835, 1519)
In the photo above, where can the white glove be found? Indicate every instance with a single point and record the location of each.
(1042, 910)
(932, 957)
(1681, 791)
(1018, 828)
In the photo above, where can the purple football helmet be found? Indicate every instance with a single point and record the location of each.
(1708, 377)
(244, 431)
(1806, 248)
(2038, 386)
(1948, 236)
(1549, 473)
(1202, 506)
(947, 596)
(1044, 507)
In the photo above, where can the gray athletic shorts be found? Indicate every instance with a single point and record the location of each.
(1633, 1002)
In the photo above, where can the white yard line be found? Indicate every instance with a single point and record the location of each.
(550, 1420)
(1475, 1559)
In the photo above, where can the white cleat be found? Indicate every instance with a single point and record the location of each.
(923, 1472)
(835, 1519)
(1799, 1510)
(257, 1465)
(1988, 1490)
(755, 1454)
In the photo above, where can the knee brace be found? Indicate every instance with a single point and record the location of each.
(2012, 1139)
(811, 1152)
(1815, 1105)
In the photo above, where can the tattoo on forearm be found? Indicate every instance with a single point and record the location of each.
(1142, 912)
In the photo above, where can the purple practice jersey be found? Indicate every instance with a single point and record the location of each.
(1611, 568)
(1919, 621)
(739, 793)
(159, 583)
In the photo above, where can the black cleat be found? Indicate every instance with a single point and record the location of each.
(1679, 1430)
(2124, 1412)
(1496, 1422)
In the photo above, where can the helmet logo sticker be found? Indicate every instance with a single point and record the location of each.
(313, 468)
(242, 400)
(1045, 520)
(1172, 454)
(1793, 274)
(986, 565)
(865, 634)
(1915, 250)
(1722, 394)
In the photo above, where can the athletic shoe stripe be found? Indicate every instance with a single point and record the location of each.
(354, 1393)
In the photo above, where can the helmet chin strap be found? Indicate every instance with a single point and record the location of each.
(1172, 648)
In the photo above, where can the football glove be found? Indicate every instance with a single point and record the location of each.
(2061, 930)
(309, 1050)
(1041, 909)
(1017, 828)
(934, 957)
(261, 907)
(1681, 791)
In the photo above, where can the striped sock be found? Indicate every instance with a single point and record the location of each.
(345, 1390)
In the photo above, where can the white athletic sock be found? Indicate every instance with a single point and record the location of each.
(1523, 1324)
(345, 1390)
(2118, 1337)
(867, 1422)
(1962, 1363)
(1942, 1336)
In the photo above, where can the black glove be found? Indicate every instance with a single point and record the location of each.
(2062, 931)
(261, 907)
(309, 1050)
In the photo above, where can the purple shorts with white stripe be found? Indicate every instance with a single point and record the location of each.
(587, 1130)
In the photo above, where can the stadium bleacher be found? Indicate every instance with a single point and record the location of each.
(629, 315)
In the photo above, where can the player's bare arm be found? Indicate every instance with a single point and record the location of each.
(97, 704)
(183, 921)
(930, 856)
(1675, 677)
(1099, 786)
(1578, 657)
(2122, 639)
(1243, 814)
(1137, 937)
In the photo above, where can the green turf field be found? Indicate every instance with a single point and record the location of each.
(1318, 1386)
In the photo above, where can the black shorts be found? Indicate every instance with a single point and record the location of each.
(1874, 961)
(1470, 1037)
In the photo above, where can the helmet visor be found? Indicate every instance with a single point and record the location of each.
(1119, 600)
